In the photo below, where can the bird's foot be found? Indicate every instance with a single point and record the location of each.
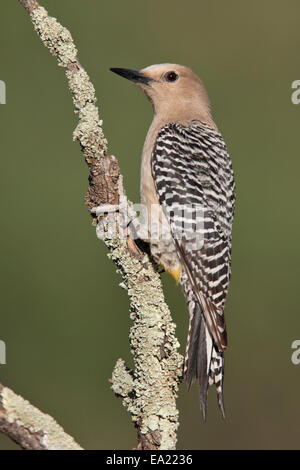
(117, 218)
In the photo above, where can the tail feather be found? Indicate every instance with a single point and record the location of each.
(216, 376)
(203, 361)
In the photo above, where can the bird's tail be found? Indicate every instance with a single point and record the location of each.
(203, 361)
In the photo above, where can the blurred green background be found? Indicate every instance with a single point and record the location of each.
(63, 317)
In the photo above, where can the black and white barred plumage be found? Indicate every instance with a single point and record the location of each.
(194, 181)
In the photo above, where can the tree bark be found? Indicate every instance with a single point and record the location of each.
(29, 427)
(149, 392)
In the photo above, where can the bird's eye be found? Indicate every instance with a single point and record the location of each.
(171, 76)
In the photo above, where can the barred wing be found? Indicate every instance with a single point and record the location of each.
(193, 176)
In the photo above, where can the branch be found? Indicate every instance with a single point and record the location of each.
(29, 427)
(148, 392)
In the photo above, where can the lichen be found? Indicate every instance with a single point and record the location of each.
(153, 403)
(149, 392)
(18, 409)
(55, 37)
(60, 43)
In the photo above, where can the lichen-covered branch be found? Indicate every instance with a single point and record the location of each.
(148, 392)
(29, 427)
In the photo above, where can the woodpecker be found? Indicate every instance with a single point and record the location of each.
(187, 173)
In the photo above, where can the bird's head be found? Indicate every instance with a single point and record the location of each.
(172, 89)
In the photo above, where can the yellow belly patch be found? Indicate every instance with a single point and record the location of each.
(174, 272)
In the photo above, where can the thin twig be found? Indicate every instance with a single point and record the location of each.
(29, 427)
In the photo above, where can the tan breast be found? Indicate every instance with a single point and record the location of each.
(147, 188)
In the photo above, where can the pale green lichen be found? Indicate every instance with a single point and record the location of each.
(60, 43)
(122, 379)
(82, 89)
(152, 386)
(156, 380)
(20, 410)
(89, 131)
(55, 37)
(149, 392)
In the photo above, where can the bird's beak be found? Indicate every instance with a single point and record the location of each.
(133, 75)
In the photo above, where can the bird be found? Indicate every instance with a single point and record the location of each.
(187, 174)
